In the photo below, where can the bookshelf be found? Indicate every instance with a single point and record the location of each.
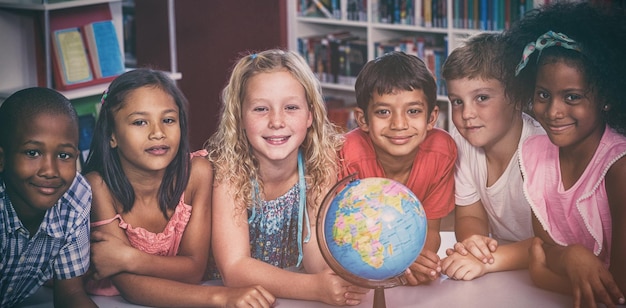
(26, 59)
(439, 25)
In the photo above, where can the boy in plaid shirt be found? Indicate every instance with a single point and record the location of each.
(44, 202)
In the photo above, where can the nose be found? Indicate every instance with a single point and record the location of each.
(555, 109)
(49, 167)
(398, 121)
(468, 111)
(277, 119)
(157, 132)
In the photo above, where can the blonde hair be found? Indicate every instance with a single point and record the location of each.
(229, 149)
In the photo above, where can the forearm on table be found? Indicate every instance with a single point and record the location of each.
(152, 291)
(279, 282)
(512, 256)
(549, 280)
(179, 268)
(467, 226)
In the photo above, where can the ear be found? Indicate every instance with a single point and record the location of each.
(1, 159)
(361, 119)
(113, 141)
(432, 119)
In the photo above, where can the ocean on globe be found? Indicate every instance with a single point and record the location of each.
(374, 228)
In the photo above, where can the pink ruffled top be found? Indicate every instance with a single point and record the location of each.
(580, 214)
(165, 243)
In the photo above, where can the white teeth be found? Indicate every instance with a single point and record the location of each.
(276, 139)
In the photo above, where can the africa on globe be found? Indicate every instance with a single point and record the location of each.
(371, 230)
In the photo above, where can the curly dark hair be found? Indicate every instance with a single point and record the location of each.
(600, 31)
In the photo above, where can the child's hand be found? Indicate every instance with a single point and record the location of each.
(255, 296)
(109, 254)
(590, 280)
(462, 267)
(479, 246)
(337, 291)
(426, 268)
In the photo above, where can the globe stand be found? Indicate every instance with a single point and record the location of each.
(376, 208)
(379, 298)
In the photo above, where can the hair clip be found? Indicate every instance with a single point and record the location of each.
(253, 56)
(104, 96)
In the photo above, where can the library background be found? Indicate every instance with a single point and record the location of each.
(79, 46)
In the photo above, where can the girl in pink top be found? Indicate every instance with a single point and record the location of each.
(152, 202)
(573, 65)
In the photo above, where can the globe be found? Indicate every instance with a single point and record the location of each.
(371, 230)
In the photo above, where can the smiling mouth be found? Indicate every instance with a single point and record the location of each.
(47, 189)
(276, 139)
(158, 150)
(559, 128)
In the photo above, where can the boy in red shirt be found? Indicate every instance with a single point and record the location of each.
(397, 139)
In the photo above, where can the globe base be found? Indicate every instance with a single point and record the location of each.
(379, 298)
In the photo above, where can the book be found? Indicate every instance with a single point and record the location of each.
(70, 57)
(86, 125)
(104, 49)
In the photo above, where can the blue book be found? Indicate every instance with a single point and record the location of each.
(104, 49)
(484, 15)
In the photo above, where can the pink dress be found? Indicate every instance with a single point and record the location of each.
(165, 243)
(580, 214)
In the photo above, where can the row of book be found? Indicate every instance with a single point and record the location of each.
(356, 10)
(467, 14)
(336, 57)
(490, 15)
(432, 49)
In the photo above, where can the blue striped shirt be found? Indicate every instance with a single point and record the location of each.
(59, 249)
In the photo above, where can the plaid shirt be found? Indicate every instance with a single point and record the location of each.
(59, 249)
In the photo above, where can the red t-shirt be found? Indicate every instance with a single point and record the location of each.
(432, 174)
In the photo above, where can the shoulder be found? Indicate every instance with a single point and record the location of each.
(531, 126)
(357, 146)
(201, 169)
(96, 182)
(200, 178)
(356, 137)
(78, 196)
(439, 141)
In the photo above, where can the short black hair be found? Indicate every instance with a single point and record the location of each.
(25, 104)
(395, 71)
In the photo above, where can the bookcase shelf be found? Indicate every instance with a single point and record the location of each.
(450, 33)
(25, 30)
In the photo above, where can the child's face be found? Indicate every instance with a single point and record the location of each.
(397, 123)
(40, 164)
(147, 130)
(481, 112)
(564, 106)
(275, 115)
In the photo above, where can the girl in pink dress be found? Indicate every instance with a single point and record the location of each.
(151, 208)
(573, 69)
